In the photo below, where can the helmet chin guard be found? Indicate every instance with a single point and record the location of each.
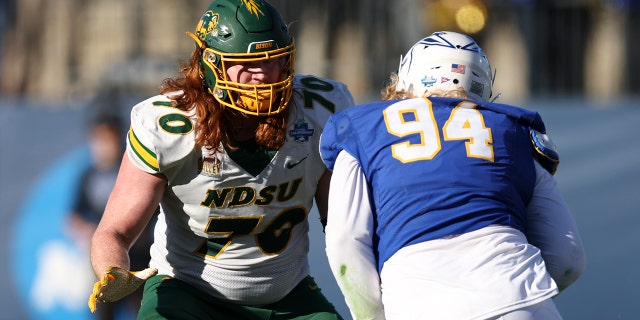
(446, 61)
(245, 31)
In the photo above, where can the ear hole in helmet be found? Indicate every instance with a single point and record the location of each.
(456, 81)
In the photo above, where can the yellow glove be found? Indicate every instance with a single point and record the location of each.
(117, 283)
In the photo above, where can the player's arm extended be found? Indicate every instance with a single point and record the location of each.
(349, 244)
(132, 203)
(551, 228)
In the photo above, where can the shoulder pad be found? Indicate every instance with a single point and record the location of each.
(544, 151)
(323, 94)
(160, 134)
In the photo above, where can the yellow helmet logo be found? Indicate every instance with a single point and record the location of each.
(253, 7)
(207, 23)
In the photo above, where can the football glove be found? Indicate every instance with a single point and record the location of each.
(117, 283)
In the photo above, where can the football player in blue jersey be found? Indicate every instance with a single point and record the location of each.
(442, 204)
(229, 151)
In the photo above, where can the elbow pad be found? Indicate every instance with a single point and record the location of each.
(544, 151)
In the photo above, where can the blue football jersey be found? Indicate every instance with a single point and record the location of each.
(437, 167)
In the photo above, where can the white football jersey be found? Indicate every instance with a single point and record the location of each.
(240, 235)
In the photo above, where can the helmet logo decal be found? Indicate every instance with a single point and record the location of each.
(207, 23)
(253, 7)
(428, 81)
(262, 46)
(437, 39)
(458, 68)
(476, 88)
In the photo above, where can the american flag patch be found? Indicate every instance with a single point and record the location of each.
(458, 68)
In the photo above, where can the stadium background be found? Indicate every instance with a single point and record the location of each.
(62, 60)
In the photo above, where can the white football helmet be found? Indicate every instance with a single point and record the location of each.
(446, 61)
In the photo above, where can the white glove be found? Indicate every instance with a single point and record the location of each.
(117, 283)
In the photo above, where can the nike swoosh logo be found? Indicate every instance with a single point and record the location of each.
(290, 165)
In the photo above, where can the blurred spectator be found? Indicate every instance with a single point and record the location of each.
(106, 146)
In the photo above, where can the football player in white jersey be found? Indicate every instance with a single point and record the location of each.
(442, 204)
(229, 151)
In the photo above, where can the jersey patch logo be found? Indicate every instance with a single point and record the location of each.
(301, 131)
(209, 166)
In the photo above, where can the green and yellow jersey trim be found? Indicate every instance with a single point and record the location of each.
(145, 154)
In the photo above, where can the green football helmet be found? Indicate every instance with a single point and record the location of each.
(245, 31)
